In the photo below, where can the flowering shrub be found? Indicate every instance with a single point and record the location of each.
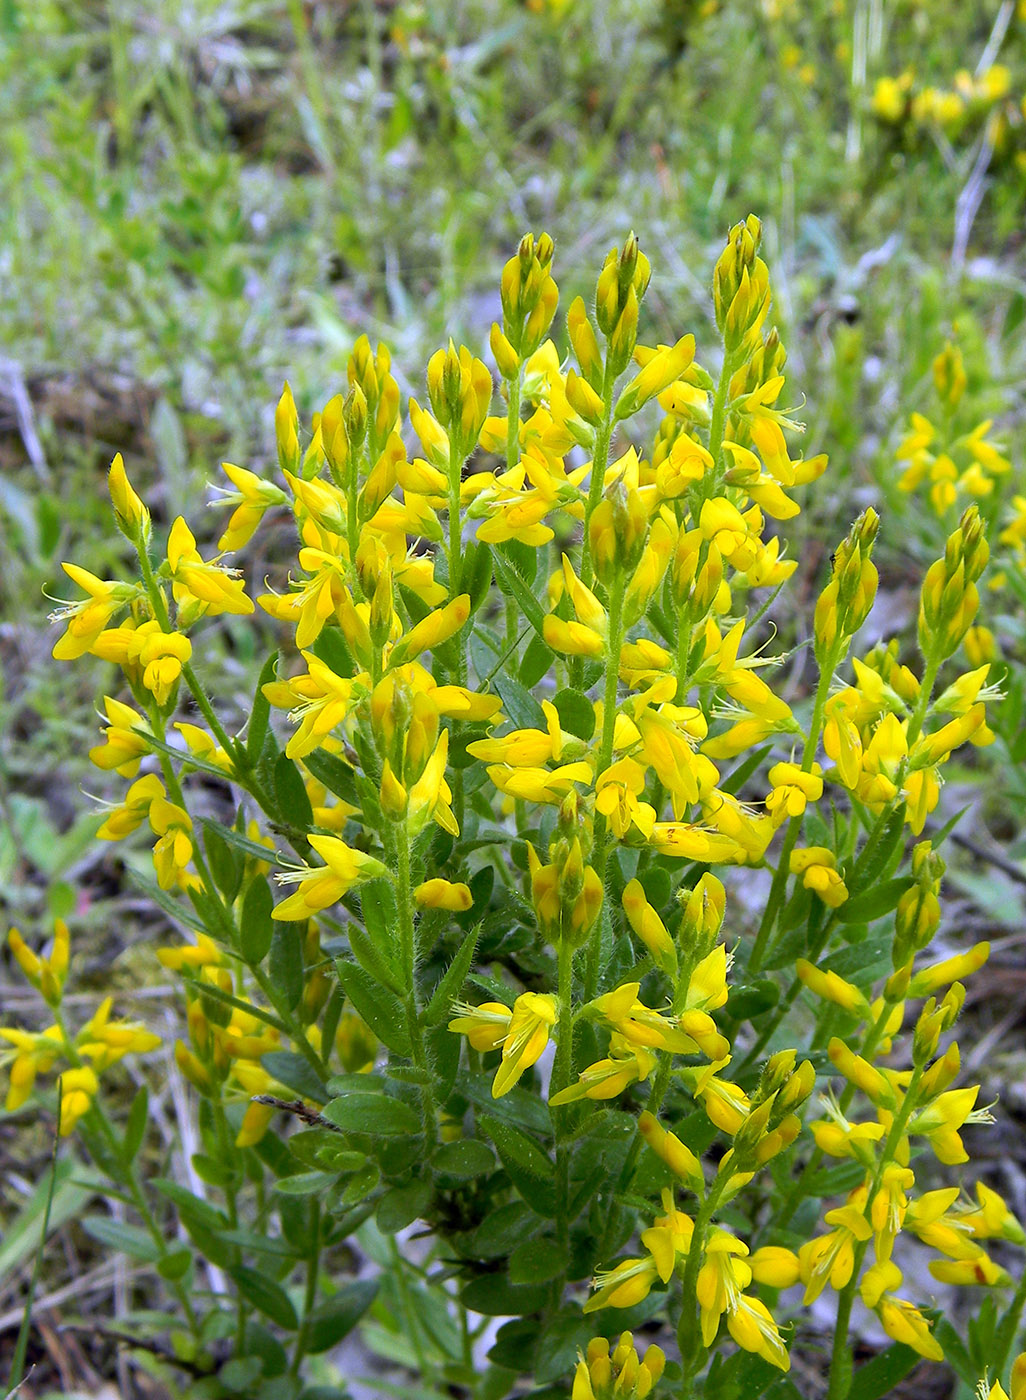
(525, 772)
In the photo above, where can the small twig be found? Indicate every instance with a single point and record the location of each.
(299, 1110)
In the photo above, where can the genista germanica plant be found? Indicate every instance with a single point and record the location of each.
(466, 962)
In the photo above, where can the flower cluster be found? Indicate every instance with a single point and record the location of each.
(522, 732)
(83, 1056)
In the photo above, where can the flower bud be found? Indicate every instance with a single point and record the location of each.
(132, 517)
(704, 906)
(286, 432)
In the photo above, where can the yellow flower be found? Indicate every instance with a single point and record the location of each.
(816, 865)
(432, 630)
(442, 894)
(323, 885)
(606, 1079)
(485, 1026)
(669, 1149)
(198, 583)
(900, 1318)
(793, 789)
(251, 498)
(123, 820)
(649, 927)
(605, 1373)
(831, 1258)
(623, 1286)
(831, 987)
(126, 743)
(534, 1015)
(88, 618)
(173, 851)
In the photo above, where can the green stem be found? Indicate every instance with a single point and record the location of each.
(562, 1074)
(408, 961)
(130, 1180)
(616, 630)
(915, 724)
(840, 1360)
(313, 1261)
(1008, 1328)
(455, 580)
(599, 463)
(718, 421)
(783, 870)
(689, 1335)
(399, 1267)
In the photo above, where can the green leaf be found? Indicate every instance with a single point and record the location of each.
(296, 1072)
(465, 1159)
(226, 865)
(174, 1265)
(871, 864)
(955, 1353)
(752, 999)
(371, 957)
(519, 704)
(241, 1374)
(439, 1007)
(313, 1183)
(75, 1185)
(238, 841)
(518, 1107)
(129, 1239)
(256, 1242)
(176, 910)
(873, 903)
(477, 574)
(212, 1171)
(285, 964)
(880, 1376)
(333, 1320)
(256, 927)
(536, 662)
(537, 1261)
(266, 1296)
(193, 1212)
(564, 1335)
(500, 1232)
(576, 713)
(402, 1205)
(380, 913)
(513, 586)
(494, 1296)
(293, 803)
(336, 775)
(260, 711)
(382, 1010)
(527, 1166)
(738, 776)
(372, 1113)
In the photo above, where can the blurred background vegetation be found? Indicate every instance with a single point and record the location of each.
(200, 198)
